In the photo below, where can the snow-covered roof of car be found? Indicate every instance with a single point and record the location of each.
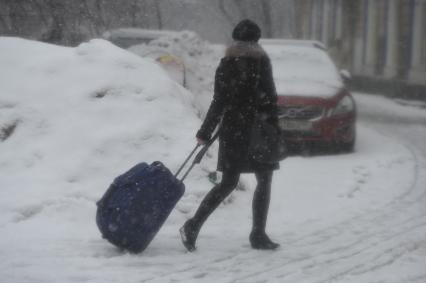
(302, 68)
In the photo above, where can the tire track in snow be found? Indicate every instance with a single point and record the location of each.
(325, 258)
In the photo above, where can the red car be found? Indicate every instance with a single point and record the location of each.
(315, 107)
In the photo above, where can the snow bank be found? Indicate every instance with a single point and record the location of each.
(398, 111)
(74, 118)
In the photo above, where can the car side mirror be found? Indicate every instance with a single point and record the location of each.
(346, 75)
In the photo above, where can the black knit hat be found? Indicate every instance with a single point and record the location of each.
(246, 30)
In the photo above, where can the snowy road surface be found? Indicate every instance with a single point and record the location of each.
(85, 114)
(344, 218)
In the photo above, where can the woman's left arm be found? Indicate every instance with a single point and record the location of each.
(217, 107)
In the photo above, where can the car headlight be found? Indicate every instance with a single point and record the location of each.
(345, 105)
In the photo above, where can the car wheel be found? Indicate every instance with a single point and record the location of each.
(347, 147)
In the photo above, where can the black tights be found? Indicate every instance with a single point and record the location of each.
(218, 193)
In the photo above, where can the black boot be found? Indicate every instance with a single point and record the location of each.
(261, 241)
(261, 198)
(188, 234)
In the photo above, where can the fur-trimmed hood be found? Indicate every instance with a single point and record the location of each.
(245, 49)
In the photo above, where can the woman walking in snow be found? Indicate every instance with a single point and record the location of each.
(243, 78)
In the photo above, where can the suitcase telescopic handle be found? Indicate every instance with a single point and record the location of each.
(197, 158)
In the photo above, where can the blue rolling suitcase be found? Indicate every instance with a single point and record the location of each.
(138, 202)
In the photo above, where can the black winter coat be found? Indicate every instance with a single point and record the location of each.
(243, 87)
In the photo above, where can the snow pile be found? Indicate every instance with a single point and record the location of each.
(72, 119)
(199, 57)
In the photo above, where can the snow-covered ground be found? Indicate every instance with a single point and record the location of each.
(71, 119)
